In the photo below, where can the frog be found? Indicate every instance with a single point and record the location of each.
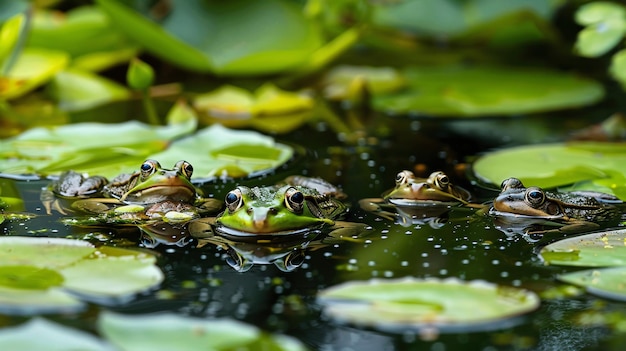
(534, 211)
(283, 209)
(149, 193)
(417, 199)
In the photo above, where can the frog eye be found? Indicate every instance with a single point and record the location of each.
(403, 177)
(535, 196)
(294, 200)
(185, 168)
(148, 168)
(234, 200)
(441, 180)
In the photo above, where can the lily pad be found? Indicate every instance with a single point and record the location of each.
(594, 166)
(50, 336)
(603, 249)
(96, 148)
(146, 332)
(173, 332)
(217, 151)
(225, 37)
(453, 91)
(606, 282)
(43, 275)
(448, 305)
(605, 26)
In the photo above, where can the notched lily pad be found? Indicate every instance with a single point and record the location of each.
(603, 249)
(43, 275)
(454, 91)
(448, 304)
(596, 166)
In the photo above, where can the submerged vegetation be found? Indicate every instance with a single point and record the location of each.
(507, 98)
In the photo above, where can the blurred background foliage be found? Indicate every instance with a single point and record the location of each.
(240, 61)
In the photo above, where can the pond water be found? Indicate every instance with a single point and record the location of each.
(462, 243)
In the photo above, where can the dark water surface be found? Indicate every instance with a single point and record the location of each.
(462, 244)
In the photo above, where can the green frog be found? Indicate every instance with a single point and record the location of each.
(274, 210)
(533, 209)
(416, 198)
(151, 192)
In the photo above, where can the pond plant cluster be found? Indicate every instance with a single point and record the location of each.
(293, 175)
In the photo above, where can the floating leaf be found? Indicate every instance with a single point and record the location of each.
(49, 336)
(96, 148)
(602, 165)
(606, 282)
(591, 250)
(276, 34)
(605, 27)
(218, 151)
(78, 90)
(449, 304)
(39, 275)
(482, 91)
(379, 80)
(32, 68)
(173, 332)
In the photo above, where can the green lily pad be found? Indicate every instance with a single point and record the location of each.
(595, 166)
(173, 332)
(603, 249)
(146, 332)
(481, 91)
(606, 282)
(208, 36)
(33, 68)
(50, 336)
(217, 151)
(95, 148)
(340, 81)
(42, 275)
(605, 26)
(449, 304)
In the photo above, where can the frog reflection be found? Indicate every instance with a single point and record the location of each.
(287, 252)
(165, 234)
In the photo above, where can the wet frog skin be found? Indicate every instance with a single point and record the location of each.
(412, 193)
(271, 210)
(574, 212)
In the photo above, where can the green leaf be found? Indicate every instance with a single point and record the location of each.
(140, 75)
(43, 274)
(416, 303)
(597, 39)
(174, 332)
(599, 11)
(29, 277)
(81, 31)
(607, 282)
(596, 164)
(226, 152)
(78, 90)
(208, 36)
(96, 148)
(482, 91)
(618, 67)
(33, 68)
(603, 249)
(9, 32)
(49, 336)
